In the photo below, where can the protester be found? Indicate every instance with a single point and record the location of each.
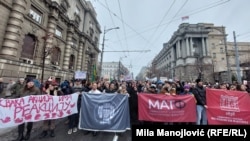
(29, 89)
(232, 87)
(200, 95)
(133, 102)
(76, 87)
(17, 88)
(94, 90)
(111, 88)
(241, 87)
(123, 90)
(186, 90)
(49, 125)
(8, 92)
(1, 85)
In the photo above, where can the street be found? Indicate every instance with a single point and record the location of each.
(61, 135)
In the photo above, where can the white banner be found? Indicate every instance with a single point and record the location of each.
(36, 108)
(80, 75)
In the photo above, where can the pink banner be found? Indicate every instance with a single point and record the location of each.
(227, 107)
(36, 108)
(165, 108)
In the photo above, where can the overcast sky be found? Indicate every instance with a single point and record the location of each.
(146, 24)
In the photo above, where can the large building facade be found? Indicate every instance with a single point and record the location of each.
(198, 50)
(57, 36)
(114, 70)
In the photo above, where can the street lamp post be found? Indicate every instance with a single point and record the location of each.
(104, 32)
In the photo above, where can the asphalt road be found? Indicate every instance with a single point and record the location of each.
(62, 135)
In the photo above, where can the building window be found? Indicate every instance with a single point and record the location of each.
(55, 57)
(214, 55)
(96, 40)
(90, 24)
(74, 43)
(35, 14)
(58, 32)
(71, 62)
(28, 47)
(222, 58)
(213, 46)
(221, 50)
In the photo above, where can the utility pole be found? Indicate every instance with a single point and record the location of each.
(100, 71)
(104, 32)
(227, 57)
(237, 62)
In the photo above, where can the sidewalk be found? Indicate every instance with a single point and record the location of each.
(9, 134)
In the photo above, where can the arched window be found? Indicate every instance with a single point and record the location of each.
(71, 62)
(55, 56)
(28, 47)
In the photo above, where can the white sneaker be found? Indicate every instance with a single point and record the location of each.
(70, 131)
(74, 129)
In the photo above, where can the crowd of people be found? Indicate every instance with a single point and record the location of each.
(29, 86)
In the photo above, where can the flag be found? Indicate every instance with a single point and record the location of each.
(184, 18)
(93, 73)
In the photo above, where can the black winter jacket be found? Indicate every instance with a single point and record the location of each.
(200, 95)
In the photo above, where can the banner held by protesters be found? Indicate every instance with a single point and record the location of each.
(104, 112)
(166, 108)
(36, 108)
(227, 107)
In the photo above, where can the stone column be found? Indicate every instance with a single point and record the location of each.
(178, 49)
(191, 46)
(11, 42)
(184, 53)
(84, 57)
(49, 39)
(80, 55)
(207, 51)
(203, 47)
(187, 47)
(172, 54)
(67, 51)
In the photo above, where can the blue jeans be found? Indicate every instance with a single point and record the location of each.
(201, 115)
